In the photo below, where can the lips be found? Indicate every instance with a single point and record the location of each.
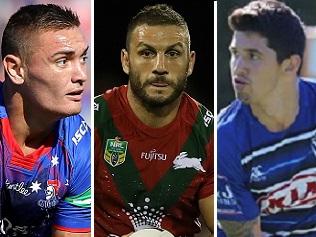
(75, 95)
(159, 84)
(241, 80)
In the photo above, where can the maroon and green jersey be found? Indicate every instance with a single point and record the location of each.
(150, 177)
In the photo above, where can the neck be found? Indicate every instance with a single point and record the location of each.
(278, 111)
(29, 127)
(153, 117)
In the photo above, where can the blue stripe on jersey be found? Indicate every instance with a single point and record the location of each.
(35, 199)
(269, 174)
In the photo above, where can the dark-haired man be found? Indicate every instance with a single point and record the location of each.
(44, 144)
(153, 142)
(266, 137)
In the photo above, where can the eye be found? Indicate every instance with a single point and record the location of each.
(61, 62)
(173, 53)
(146, 53)
(254, 56)
(84, 58)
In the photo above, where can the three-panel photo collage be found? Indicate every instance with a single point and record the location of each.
(158, 118)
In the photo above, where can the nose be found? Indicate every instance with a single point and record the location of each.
(79, 74)
(238, 66)
(160, 66)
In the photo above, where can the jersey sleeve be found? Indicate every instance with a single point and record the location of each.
(234, 201)
(207, 188)
(73, 213)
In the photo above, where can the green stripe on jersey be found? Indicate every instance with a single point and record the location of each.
(82, 200)
(126, 176)
(195, 147)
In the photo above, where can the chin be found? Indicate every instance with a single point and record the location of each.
(243, 97)
(69, 111)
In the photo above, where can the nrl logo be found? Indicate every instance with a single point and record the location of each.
(115, 151)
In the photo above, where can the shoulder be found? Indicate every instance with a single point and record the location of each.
(308, 86)
(232, 125)
(106, 103)
(197, 114)
(231, 115)
(75, 134)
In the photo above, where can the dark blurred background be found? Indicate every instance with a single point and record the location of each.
(109, 36)
(305, 9)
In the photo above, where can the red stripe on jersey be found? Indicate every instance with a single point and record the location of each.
(208, 189)
(18, 158)
(72, 230)
(136, 133)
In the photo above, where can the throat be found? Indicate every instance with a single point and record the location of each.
(277, 121)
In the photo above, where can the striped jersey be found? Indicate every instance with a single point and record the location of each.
(271, 174)
(49, 187)
(150, 177)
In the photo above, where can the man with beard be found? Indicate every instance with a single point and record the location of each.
(266, 137)
(153, 142)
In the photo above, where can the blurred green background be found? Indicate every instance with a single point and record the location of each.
(305, 9)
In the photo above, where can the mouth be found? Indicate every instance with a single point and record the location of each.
(75, 95)
(159, 84)
(241, 81)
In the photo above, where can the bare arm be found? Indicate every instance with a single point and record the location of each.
(127, 235)
(60, 233)
(242, 229)
(206, 206)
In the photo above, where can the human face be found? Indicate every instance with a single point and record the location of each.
(56, 72)
(158, 63)
(254, 67)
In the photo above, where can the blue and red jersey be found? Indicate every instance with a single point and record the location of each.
(49, 187)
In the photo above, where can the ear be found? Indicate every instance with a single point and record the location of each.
(14, 69)
(125, 61)
(191, 63)
(292, 64)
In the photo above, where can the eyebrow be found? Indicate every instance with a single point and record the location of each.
(85, 51)
(142, 44)
(249, 50)
(70, 52)
(175, 45)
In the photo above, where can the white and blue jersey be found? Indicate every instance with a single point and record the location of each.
(49, 187)
(269, 174)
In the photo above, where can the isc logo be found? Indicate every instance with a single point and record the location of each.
(83, 128)
(208, 117)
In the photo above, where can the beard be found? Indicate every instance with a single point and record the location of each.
(159, 99)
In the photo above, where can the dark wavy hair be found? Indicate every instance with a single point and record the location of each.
(275, 21)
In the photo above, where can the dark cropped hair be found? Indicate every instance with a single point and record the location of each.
(31, 19)
(275, 21)
(159, 14)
